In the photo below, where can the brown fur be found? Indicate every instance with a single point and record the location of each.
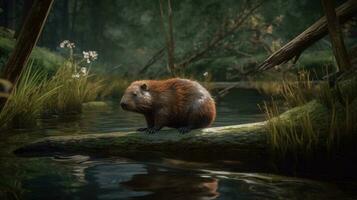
(176, 103)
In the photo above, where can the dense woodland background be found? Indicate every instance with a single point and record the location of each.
(127, 34)
(303, 61)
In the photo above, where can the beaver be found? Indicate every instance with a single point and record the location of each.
(177, 103)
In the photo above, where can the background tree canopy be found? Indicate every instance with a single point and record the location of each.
(127, 34)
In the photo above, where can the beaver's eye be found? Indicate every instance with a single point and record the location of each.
(135, 94)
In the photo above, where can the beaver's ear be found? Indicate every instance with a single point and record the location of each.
(144, 86)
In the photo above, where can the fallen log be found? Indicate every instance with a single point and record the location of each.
(312, 34)
(247, 143)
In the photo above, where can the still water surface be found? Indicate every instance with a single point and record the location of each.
(83, 177)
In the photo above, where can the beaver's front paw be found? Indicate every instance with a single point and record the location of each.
(152, 130)
(142, 129)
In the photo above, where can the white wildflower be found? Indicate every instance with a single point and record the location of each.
(67, 44)
(93, 55)
(90, 56)
(71, 45)
(76, 75)
(85, 55)
(64, 43)
(205, 74)
(84, 71)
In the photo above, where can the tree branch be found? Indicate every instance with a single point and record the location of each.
(312, 34)
(219, 36)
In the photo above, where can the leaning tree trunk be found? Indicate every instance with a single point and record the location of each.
(312, 34)
(25, 11)
(28, 37)
(336, 36)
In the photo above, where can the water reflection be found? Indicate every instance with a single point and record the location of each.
(172, 184)
(125, 179)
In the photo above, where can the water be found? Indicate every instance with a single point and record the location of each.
(83, 177)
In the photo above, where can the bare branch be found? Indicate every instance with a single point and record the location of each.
(157, 56)
(219, 36)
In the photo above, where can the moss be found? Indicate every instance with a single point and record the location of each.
(315, 109)
(222, 142)
(42, 57)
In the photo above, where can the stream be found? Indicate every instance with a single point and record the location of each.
(84, 177)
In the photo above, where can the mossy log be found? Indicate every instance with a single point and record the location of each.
(220, 142)
(246, 142)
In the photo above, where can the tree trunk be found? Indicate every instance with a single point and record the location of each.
(25, 11)
(336, 36)
(245, 142)
(312, 34)
(231, 142)
(214, 42)
(171, 46)
(171, 66)
(28, 38)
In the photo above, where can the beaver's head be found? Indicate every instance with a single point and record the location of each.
(137, 98)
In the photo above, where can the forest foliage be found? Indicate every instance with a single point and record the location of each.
(127, 33)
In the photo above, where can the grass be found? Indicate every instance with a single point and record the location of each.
(35, 94)
(309, 133)
(294, 89)
(75, 90)
(64, 92)
(290, 138)
(27, 99)
(300, 91)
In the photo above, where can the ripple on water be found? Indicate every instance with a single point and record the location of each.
(126, 179)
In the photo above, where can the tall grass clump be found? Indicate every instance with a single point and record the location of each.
(342, 102)
(329, 125)
(288, 137)
(299, 91)
(27, 99)
(76, 82)
(301, 84)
